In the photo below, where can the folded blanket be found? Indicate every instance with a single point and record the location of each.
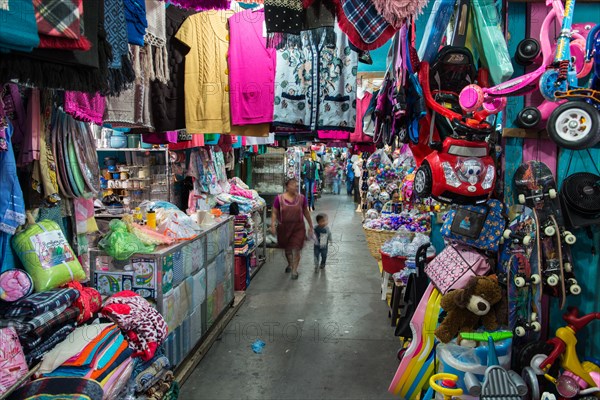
(142, 324)
(54, 388)
(39, 303)
(47, 328)
(147, 374)
(88, 303)
(50, 343)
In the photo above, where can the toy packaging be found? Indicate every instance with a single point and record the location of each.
(12, 359)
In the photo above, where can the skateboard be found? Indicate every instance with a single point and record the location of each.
(535, 186)
(519, 271)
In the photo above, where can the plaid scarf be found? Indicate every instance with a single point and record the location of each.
(365, 27)
(39, 303)
(60, 24)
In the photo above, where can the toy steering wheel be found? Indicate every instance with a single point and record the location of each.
(449, 389)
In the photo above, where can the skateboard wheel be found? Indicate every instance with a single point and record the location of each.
(549, 231)
(536, 326)
(535, 279)
(552, 193)
(533, 317)
(574, 287)
(520, 331)
(527, 240)
(570, 238)
(521, 199)
(520, 281)
(568, 267)
(552, 280)
(507, 234)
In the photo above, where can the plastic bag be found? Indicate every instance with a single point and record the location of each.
(146, 235)
(176, 224)
(378, 158)
(120, 244)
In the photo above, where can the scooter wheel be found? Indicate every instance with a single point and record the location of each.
(527, 51)
(574, 125)
(520, 281)
(552, 280)
(527, 240)
(536, 279)
(536, 326)
(549, 231)
(520, 331)
(532, 383)
(529, 117)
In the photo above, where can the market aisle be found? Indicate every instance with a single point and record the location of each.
(327, 335)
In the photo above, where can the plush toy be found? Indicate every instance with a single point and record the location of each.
(469, 308)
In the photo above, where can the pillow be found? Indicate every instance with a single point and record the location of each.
(47, 256)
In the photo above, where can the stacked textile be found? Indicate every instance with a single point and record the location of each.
(99, 352)
(41, 320)
(245, 204)
(143, 325)
(244, 236)
(147, 374)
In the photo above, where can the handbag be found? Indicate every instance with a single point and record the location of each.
(454, 266)
(478, 226)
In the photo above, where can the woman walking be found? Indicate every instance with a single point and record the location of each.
(290, 209)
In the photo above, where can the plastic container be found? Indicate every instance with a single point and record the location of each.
(146, 145)
(458, 360)
(151, 219)
(134, 140)
(118, 140)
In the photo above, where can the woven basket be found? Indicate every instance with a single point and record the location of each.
(375, 239)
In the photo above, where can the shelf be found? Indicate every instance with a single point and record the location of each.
(107, 215)
(134, 150)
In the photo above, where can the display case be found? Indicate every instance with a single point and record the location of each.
(269, 172)
(191, 283)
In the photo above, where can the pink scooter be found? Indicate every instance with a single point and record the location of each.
(492, 100)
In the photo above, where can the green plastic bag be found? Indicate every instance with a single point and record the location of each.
(120, 244)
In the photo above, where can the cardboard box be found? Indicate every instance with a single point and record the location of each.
(148, 294)
(144, 273)
(109, 283)
(167, 273)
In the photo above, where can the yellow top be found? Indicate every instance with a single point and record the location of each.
(206, 80)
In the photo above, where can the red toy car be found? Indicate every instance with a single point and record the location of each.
(462, 171)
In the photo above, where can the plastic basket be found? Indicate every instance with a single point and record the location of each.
(391, 264)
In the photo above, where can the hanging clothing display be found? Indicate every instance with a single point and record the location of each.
(12, 206)
(135, 15)
(316, 84)
(204, 5)
(206, 80)
(251, 69)
(362, 104)
(85, 71)
(120, 69)
(283, 18)
(168, 99)
(85, 106)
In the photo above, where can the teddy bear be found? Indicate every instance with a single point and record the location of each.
(470, 307)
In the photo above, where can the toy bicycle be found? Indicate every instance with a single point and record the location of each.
(577, 378)
(474, 97)
(575, 123)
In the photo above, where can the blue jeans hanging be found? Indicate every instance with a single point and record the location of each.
(309, 186)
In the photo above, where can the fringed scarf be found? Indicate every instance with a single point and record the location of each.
(396, 11)
(204, 5)
(365, 27)
(156, 41)
(120, 70)
(84, 71)
(284, 20)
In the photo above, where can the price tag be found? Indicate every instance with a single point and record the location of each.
(264, 29)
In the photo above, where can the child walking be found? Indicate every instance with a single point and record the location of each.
(322, 240)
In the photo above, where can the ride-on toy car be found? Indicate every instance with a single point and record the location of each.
(462, 171)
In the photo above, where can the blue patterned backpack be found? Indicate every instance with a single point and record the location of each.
(478, 226)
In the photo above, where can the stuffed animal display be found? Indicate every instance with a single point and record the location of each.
(469, 308)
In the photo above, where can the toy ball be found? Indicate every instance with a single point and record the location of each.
(375, 189)
(370, 197)
(371, 180)
(378, 205)
(372, 214)
(384, 197)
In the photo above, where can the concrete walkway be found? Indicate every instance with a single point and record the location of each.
(327, 335)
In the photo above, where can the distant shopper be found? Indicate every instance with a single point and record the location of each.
(349, 178)
(290, 209)
(322, 240)
(394, 206)
(310, 173)
(357, 167)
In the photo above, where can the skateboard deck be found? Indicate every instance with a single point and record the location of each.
(536, 187)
